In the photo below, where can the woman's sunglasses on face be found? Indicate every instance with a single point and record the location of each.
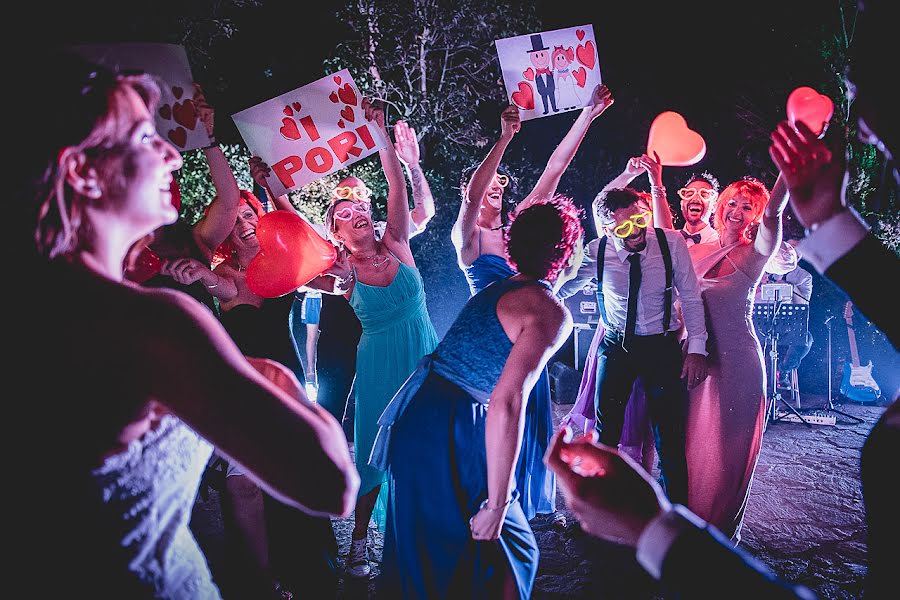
(501, 180)
(346, 213)
(640, 220)
(706, 194)
(356, 193)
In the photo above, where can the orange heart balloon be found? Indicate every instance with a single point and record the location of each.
(291, 254)
(812, 108)
(676, 144)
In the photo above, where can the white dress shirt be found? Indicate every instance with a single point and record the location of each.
(651, 295)
(707, 234)
(833, 239)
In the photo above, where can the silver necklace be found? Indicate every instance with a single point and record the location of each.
(378, 260)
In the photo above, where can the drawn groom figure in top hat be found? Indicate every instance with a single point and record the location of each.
(543, 77)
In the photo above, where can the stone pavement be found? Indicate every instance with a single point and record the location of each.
(805, 519)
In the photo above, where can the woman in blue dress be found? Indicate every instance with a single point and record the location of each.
(478, 239)
(452, 435)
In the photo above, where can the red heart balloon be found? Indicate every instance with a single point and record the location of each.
(144, 266)
(676, 144)
(812, 108)
(524, 97)
(291, 254)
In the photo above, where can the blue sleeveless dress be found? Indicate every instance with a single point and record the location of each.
(432, 437)
(534, 481)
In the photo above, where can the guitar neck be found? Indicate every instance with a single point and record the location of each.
(854, 354)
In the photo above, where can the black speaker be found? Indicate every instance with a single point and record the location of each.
(564, 383)
(583, 305)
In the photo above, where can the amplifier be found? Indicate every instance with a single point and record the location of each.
(583, 305)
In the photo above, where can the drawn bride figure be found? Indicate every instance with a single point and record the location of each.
(566, 87)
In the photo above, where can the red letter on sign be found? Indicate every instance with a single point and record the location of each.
(319, 160)
(366, 137)
(343, 144)
(285, 169)
(310, 128)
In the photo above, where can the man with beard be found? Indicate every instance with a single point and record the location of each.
(698, 198)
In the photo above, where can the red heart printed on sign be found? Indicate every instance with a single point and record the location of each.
(524, 97)
(580, 76)
(341, 124)
(178, 136)
(333, 97)
(289, 129)
(297, 106)
(347, 113)
(185, 114)
(585, 54)
(676, 144)
(580, 34)
(347, 95)
(810, 107)
(528, 74)
(177, 91)
(291, 254)
(165, 111)
(337, 79)
(288, 111)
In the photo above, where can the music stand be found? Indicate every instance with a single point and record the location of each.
(829, 407)
(780, 321)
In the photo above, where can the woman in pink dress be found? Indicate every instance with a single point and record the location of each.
(727, 411)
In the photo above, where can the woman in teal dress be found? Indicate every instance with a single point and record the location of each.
(478, 239)
(380, 279)
(452, 434)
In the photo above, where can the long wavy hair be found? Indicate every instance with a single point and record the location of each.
(754, 190)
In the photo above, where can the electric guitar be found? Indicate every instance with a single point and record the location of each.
(857, 383)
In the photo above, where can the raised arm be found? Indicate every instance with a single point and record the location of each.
(407, 147)
(481, 179)
(259, 171)
(397, 229)
(565, 152)
(284, 441)
(662, 213)
(768, 238)
(187, 271)
(214, 227)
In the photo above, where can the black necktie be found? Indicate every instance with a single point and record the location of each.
(689, 236)
(634, 286)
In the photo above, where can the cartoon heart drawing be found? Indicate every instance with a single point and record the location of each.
(528, 74)
(297, 106)
(289, 129)
(185, 114)
(676, 144)
(524, 97)
(178, 92)
(347, 95)
(585, 54)
(288, 111)
(290, 255)
(812, 108)
(165, 111)
(347, 113)
(341, 124)
(580, 75)
(580, 34)
(337, 79)
(333, 97)
(178, 136)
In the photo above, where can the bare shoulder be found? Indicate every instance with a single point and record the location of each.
(534, 305)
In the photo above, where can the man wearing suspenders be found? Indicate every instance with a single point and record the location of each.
(637, 268)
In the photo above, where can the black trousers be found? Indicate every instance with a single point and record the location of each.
(657, 360)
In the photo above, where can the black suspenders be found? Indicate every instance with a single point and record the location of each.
(667, 263)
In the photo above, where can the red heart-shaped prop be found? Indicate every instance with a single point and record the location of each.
(289, 129)
(676, 144)
(184, 114)
(333, 97)
(288, 111)
(297, 106)
(341, 124)
(165, 111)
(585, 54)
(528, 74)
(177, 91)
(178, 136)
(524, 97)
(337, 79)
(146, 265)
(290, 255)
(347, 113)
(580, 76)
(810, 107)
(347, 95)
(580, 34)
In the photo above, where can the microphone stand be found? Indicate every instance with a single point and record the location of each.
(772, 338)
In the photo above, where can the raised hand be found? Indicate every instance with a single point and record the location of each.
(633, 167)
(814, 174)
(186, 270)
(406, 144)
(601, 99)
(259, 171)
(653, 168)
(510, 122)
(205, 112)
(374, 111)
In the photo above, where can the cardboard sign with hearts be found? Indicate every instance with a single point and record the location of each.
(310, 132)
(176, 117)
(550, 72)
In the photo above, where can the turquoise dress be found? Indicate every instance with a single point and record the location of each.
(397, 333)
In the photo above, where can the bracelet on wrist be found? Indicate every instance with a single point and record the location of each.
(484, 504)
(215, 285)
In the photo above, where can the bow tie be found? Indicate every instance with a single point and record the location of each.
(689, 236)
(543, 72)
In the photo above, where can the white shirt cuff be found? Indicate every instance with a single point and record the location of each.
(661, 533)
(696, 345)
(833, 239)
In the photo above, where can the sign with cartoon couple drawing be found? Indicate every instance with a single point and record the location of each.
(550, 72)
